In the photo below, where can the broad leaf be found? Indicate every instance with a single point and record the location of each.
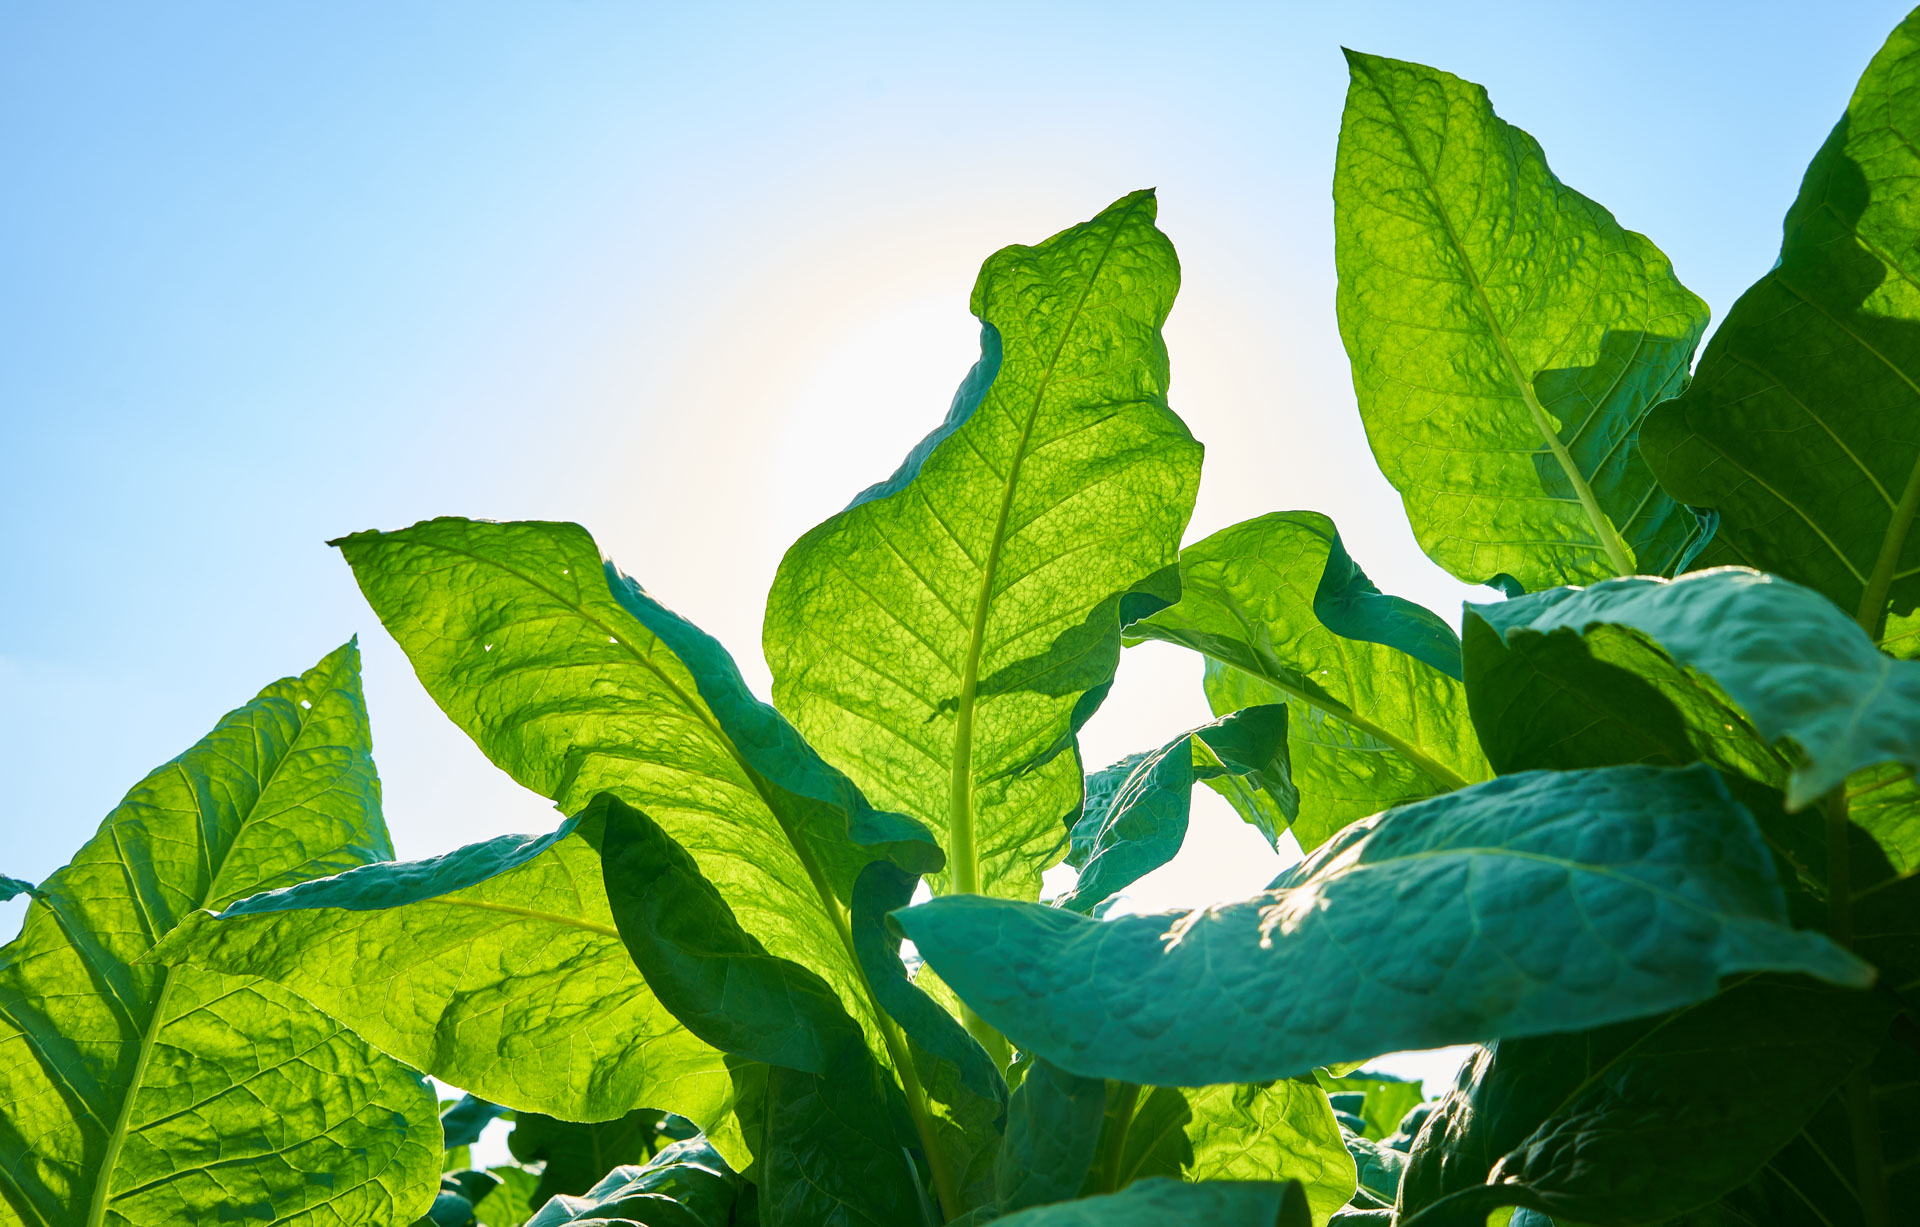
(943, 637)
(572, 1156)
(1280, 1130)
(1377, 715)
(1159, 1201)
(1053, 1130)
(1507, 337)
(687, 1185)
(577, 682)
(462, 1124)
(510, 1204)
(1534, 903)
(1798, 427)
(1386, 1099)
(134, 1093)
(1644, 1120)
(13, 887)
(1136, 811)
(1798, 667)
(1378, 1169)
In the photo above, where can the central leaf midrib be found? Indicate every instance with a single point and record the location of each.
(1603, 529)
(122, 1125)
(961, 836)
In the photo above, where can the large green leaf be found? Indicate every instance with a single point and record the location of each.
(1159, 1201)
(1530, 904)
(134, 1093)
(1798, 667)
(1799, 427)
(687, 1185)
(1281, 1130)
(1136, 811)
(573, 1155)
(1386, 1099)
(1053, 1132)
(1283, 614)
(499, 967)
(1643, 1120)
(1507, 338)
(942, 637)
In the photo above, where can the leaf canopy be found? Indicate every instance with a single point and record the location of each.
(1799, 427)
(943, 638)
(137, 1093)
(1153, 1202)
(1530, 904)
(1377, 715)
(1507, 338)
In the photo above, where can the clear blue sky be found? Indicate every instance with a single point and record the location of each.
(692, 275)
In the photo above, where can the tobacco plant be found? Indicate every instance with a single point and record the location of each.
(1646, 831)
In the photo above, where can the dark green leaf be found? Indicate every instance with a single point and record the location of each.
(687, 1185)
(1053, 1130)
(1530, 904)
(1377, 713)
(1136, 811)
(1159, 1202)
(937, 638)
(832, 1155)
(462, 1124)
(1798, 667)
(1507, 337)
(135, 1093)
(1797, 426)
(1386, 1099)
(12, 887)
(573, 1155)
(1637, 1122)
(1379, 1168)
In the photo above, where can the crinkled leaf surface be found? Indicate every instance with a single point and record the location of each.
(1507, 337)
(135, 1093)
(1159, 1201)
(1136, 811)
(942, 637)
(1281, 1130)
(1643, 1120)
(687, 1185)
(1798, 667)
(1283, 614)
(1530, 904)
(1802, 426)
(1053, 1131)
(1387, 1099)
(499, 967)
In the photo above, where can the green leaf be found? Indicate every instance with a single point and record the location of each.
(12, 887)
(1795, 427)
(942, 637)
(1283, 614)
(1281, 1130)
(1507, 338)
(1136, 811)
(1644, 1120)
(577, 682)
(1053, 1132)
(1378, 1168)
(1798, 667)
(136, 1093)
(832, 1155)
(1533, 903)
(687, 1185)
(1388, 1099)
(511, 1203)
(462, 1124)
(573, 1155)
(1156, 1202)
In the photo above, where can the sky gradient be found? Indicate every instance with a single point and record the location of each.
(692, 276)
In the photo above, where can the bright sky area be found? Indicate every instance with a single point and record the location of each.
(692, 276)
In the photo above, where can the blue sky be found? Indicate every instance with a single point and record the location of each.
(693, 275)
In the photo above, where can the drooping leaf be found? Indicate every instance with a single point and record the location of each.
(687, 1185)
(134, 1093)
(13, 887)
(1136, 811)
(832, 1154)
(1507, 337)
(1378, 1169)
(1387, 1099)
(577, 682)
(510, 1204)
(462, 1124)
(942, 637)
(1798, 426)
(1533, 903)
(1644, 1120)
(1797, 666)
(1281, 1130)
(573, 1155)
(1159, 1201)
(1377, 715)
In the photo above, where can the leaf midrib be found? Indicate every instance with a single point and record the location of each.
(1616, 549)
(96, 1213)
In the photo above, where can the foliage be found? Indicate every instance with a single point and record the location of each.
(1652, 842)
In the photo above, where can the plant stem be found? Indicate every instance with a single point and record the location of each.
(1869, 1163)
(1113, 1147)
